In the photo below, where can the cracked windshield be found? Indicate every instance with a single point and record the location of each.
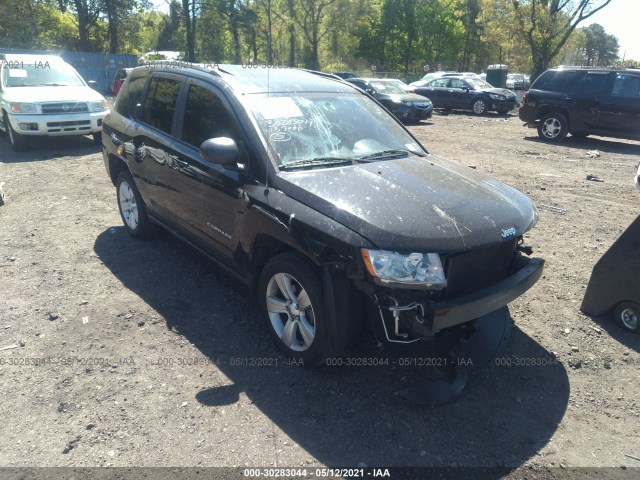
(329, 128)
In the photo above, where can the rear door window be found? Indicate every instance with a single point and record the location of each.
(627, 86)
(160, 104)
(594, 83)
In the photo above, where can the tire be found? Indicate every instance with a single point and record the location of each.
(97, 138)
(627, 314)
(503, 110)
(479, 106)
(18, 142)
(291, 303)
(553, 127)
(132, 209)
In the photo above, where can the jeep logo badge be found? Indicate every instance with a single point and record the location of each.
(509, 232)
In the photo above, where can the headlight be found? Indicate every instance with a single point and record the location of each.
(21, 107)
(496, 96)
(98, 106)
(424, 269)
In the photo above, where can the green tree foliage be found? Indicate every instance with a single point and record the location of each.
(398, 36)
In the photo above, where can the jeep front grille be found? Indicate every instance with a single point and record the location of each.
(470, 271)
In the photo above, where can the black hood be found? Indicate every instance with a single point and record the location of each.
(415, 204)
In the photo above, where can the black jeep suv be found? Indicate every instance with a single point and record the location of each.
(581, 101)
(309, 191)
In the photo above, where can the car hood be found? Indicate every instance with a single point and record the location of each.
(403, 97)
(424, 204)
(51, 94)
(500, 91)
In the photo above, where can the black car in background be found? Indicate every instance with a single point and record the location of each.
(344, 75)
(406, 106)
(311, 194)
(584, 101)
(459, 92)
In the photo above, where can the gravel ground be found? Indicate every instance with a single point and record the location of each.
(130, 353)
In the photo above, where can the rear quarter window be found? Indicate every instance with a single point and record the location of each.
(128, 98)
(558, 81)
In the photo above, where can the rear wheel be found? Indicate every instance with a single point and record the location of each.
(291, 299)
(553, 127)
(18, 142)
(132, 209)
(97, 138)
(503, 110)
(627, 314)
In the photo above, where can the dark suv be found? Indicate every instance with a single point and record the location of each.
(583, 102)
(309, 191)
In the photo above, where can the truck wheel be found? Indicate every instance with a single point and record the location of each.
(131, 206)
(291, 300)
(18, 142)
(553, 127)
(97, 138)
(627, 314)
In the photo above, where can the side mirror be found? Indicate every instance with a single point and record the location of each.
(93, 84)
(221, 150)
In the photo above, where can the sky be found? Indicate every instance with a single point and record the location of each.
(621, 19)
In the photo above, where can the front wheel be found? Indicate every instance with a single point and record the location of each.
(291, 300)
(479, 107)
(553, 127)
(18, 142)
(97, 138)
(627, 315)
(131, 206)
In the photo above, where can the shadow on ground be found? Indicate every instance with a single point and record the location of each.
(343, 415)
(46, 148)
(608, 145)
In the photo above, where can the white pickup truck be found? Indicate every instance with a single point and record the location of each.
(43, 95)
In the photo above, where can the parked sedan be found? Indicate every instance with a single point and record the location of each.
(467, 93)
(405, 106)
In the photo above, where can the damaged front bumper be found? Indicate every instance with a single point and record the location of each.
(410, 321)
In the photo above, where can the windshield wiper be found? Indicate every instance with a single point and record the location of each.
(317, 162)
(54, 84)
(396, 153)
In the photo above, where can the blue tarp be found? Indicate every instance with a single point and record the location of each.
(100, 67)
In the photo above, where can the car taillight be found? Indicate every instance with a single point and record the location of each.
(525, 99)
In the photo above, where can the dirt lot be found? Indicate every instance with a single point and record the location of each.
(127, 351)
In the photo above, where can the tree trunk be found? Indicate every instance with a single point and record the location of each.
(189, 26)
(83, 24)
(112, 17)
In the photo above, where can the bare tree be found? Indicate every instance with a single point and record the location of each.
(311, 14)
(547, 25)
